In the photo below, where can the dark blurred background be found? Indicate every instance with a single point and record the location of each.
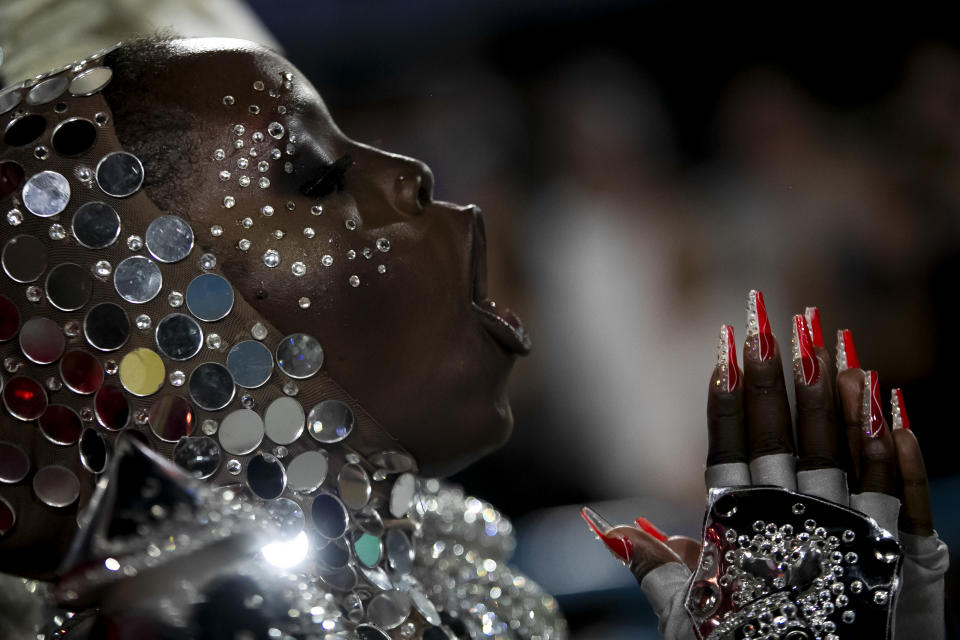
(641, 166)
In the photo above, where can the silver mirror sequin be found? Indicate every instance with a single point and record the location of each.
(354, 486)
(137, 279)
(266, 477)
(14, 463)
(241, 432)
(47, 91)
(106, 326)
(46, 194)
(94, 451)
(69, 286)
(399, 551)
(284, 419)
(330, 421)
(9, 98)
(96, 225)
(251, 364)
(307, 471)
(299, 355)
(401, 495)
(200, 456)
(169, 238)
(91, 81)
(24, 258)
(119, 174)
(178, 336)
(211, 388)
(209, 297)
(389, 609)
(56, 486)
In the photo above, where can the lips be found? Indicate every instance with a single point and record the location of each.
(503, 324)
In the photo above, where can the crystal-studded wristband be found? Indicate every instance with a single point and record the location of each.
(779, 564)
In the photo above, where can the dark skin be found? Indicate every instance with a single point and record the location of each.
(412, 344)
(754, 420)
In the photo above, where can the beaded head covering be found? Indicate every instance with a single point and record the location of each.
(114, 322)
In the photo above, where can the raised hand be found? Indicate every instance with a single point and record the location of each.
(844, 452)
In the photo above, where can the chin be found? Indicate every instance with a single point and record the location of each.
(479, 433)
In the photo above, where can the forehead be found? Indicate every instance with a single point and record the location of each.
(205, 73)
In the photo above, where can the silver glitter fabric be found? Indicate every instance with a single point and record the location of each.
(463, 546)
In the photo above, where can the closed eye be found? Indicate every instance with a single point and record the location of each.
(329, 180)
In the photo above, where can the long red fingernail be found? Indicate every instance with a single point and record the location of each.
(872, 409)
(806, 367)
(846, 352)
(813, 321)
(899, 410)
(618, 545)
(727, 360)
(650, 528)
(758, 326)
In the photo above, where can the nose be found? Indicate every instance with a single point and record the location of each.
(415, 183)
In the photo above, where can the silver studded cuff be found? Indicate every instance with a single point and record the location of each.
(776, 563)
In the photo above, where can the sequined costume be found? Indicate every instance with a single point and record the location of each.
(116, 323)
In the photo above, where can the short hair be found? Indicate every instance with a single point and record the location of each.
(165, 139)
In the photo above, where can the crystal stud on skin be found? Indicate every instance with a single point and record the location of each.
(813, 321)
(619, 546)
(806, 367)
(729, 372)
(898, 410)
(872, 410)
(759, 334)
(846, 352)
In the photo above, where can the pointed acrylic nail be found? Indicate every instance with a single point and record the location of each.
(619, 546)
(899, 410)
(872, 409)
(846, 352)
(806, 367)
(727, 360)
(759, 333)
(651, 529)
(813, 321)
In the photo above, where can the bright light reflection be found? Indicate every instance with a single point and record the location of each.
(287, 554)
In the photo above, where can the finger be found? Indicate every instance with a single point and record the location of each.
(687, 548)
(819, 462)
(766, 409)
(878, 462)
(635, 548)
(916, 517)
(727, 445)
(812, 316)
(849, 390)
(878, 482)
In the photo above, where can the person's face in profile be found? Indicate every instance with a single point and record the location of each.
(334, 238)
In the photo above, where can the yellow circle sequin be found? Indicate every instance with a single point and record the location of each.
(142, 372)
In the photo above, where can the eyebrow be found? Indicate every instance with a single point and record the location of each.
(330, 178)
